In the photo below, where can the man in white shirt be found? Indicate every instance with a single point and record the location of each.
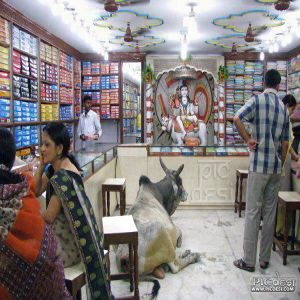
(89, 128)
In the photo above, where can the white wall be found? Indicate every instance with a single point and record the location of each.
(209, 181)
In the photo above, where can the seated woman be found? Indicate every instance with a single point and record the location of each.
(29, 266)
(69, 210)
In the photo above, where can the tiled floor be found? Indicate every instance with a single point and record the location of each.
(217, 235)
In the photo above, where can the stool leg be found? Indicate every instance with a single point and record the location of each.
(293, 229)
(136, 270)
(275, 237)
(131, 266)
(104, 202)
(241, 197)
(236, 194)
(285, 235)
(78, 295)
(108, 203)
(122, 202)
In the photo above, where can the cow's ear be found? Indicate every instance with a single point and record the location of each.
(179, 170)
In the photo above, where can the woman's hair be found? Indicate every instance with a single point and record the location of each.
(289, 100)
(7, 157)
(60, 136)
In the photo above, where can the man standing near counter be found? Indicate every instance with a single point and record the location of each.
(89, 128)
(268, 149)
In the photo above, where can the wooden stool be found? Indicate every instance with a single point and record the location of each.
(122, 230)
(75, 278)
(113, 185)
(238, 203)
(290, 201)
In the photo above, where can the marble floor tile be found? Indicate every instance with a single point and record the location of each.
(218, 236)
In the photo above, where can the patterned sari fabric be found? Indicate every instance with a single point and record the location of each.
(80, 215)
(29, 268)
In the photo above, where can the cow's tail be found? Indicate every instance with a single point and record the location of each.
(156, 287)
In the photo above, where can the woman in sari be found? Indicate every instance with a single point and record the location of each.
(69, 210)
(29, 266)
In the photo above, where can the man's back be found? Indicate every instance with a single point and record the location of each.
(270, 124)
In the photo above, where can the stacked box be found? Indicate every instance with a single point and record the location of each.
(25, 111)
(65, 95)
(105, 111)
(66, 61)
(4, 81)
(94, 95)
(65, 78)
(86, 68)
(70, 130)
(49, 73)
(24, 65)
(95, 68)
(114, 68)
(114, 97)
(87, 82)
(4, 58)
(105, 97)
(66, 112)
(77, 108)
(114, 111)
(4, 31)
(48, 53)
(26, 136)
(49, 112)
(25, 88)
(104, 68)
(5, 116)
(49, 93)
(114, 82)
(105, 83)
(24, 41)
(77, 76)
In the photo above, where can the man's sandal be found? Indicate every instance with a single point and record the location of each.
(264, 264)
(239, 263)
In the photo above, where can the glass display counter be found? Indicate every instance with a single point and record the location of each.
(94, 158)
(154, 150)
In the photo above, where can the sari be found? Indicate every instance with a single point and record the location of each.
(68, 187)
(29, 267)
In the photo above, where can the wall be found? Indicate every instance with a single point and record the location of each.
(209, 181)
(209, 63)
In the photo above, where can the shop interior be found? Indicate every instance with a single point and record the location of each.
(144, 64)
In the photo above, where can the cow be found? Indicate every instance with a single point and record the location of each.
(158, 235)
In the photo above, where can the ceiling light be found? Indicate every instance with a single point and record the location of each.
(275, 46)
(262, 55)
(106, 55)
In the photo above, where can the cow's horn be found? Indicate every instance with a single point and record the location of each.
(166, 170)
(179, 170)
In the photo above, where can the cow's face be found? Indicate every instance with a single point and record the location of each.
(178, 194)
(179, 191)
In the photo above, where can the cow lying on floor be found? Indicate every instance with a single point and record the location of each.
(158, 236)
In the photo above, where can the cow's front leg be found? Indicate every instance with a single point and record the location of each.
(178, 237)
(181, 262)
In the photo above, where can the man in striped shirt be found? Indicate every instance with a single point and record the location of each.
(268, 146)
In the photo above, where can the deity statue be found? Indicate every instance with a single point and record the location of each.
(183, 123)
